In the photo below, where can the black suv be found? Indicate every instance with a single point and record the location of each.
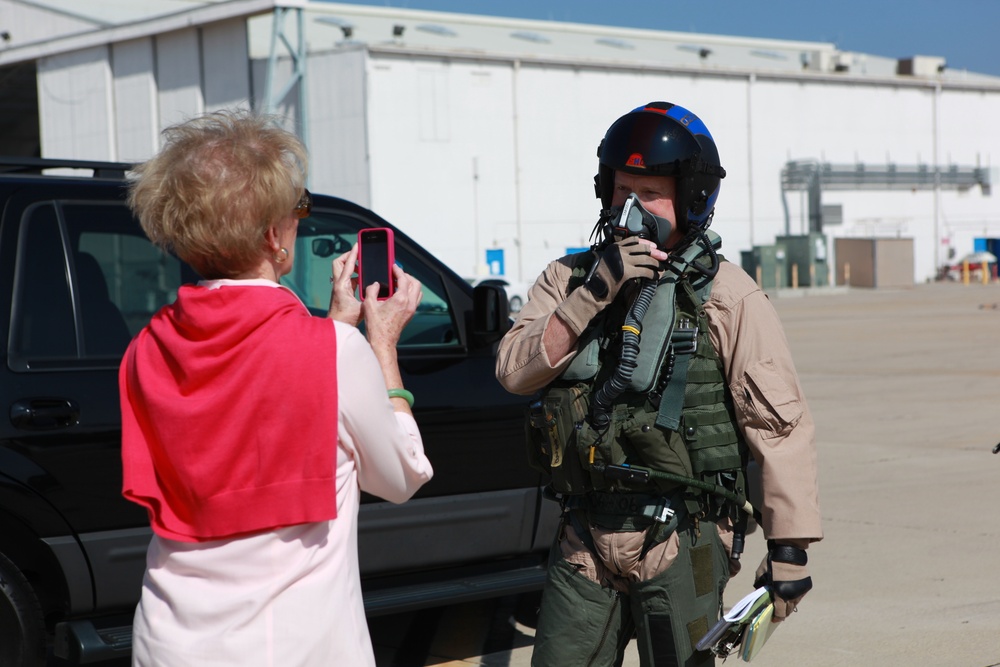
(78, 279)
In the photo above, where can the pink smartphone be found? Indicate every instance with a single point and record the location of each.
(376, 255)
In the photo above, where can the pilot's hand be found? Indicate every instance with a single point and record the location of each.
(784, 570)
(620, 262)
(624, 260)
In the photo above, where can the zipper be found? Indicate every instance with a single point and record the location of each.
(607, 629)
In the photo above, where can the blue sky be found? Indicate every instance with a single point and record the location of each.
(965, 32)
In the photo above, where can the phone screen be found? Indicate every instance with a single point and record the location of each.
(376, 249)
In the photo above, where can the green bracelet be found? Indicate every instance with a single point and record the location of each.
(402, 393)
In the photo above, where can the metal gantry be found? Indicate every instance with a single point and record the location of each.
(297, 54)
(813, 176)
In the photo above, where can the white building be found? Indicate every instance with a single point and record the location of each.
(476, 134)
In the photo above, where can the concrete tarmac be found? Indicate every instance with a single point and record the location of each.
(904, 386)
(905, 389)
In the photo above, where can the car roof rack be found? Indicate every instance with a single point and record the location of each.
(35, 165)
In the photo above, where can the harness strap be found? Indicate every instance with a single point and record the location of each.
(632, 512)
(672, 401)
(573, 518)
(577, 511)
(626, 511)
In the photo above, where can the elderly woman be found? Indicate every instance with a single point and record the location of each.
(236, 434)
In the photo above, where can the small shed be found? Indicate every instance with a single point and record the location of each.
(874, 262)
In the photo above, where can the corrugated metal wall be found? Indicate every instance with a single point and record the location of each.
(471, 154)
(441, 143)
(111, 102)
(136, 107)
(75, 105)
(338, 125)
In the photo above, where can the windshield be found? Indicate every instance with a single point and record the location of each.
(324, 236)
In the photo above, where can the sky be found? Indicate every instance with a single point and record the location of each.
(966, 33)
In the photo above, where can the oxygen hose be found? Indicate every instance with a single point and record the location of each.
(614, 386)
(702, 239)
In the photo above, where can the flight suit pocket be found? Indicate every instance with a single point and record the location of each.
(767, 400)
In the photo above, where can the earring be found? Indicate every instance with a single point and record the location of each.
(280, 258)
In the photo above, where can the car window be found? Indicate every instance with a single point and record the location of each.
(87, 280)
(324, 236)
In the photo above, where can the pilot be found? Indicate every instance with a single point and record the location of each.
(663, 370)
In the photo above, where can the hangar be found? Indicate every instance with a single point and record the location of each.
(477, 135)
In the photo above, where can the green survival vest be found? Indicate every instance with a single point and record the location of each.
(681, 423)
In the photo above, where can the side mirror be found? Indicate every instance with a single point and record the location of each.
(490, 313)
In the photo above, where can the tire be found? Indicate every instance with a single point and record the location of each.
(21, 623)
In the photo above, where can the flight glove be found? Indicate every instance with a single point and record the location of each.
(784, 570)
(620, 262)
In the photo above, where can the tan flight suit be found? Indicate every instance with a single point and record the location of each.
(771, 412)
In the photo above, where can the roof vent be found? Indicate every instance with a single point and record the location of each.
(435, 29)
(770, 55)
(615, 43)
(346, 27)
(531, 37)
(702, 51)
(920, 66)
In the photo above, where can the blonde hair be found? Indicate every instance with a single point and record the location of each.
(216, 186)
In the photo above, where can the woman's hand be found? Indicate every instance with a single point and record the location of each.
(384, 323)
(385, 320)
(344, 307)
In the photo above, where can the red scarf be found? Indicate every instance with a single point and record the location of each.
(229, 414)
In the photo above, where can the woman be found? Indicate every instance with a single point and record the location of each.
(249, 426)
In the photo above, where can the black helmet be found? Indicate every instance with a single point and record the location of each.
(663, 139)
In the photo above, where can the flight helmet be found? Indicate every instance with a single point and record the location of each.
(664, 139)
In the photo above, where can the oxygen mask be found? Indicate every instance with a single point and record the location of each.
(631, 219)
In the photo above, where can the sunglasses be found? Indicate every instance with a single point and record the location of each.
(305, 206)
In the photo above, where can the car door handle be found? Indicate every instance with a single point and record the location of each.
(44, 414)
